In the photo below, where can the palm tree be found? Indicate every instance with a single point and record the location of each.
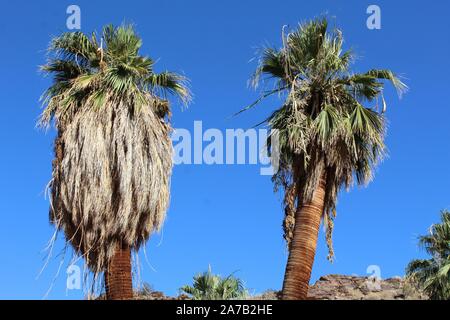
(113, 153)
(208, 286)
(327, 137)
(433, 275)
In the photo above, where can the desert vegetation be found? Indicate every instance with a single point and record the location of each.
(112, 166)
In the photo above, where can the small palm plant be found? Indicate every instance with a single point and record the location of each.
(113, 153)
(433, 275)
(208, 286)
(328, 137)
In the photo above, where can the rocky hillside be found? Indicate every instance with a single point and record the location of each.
(333, 287)
(339, 287)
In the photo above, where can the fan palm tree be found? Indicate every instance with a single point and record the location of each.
(433, 275)
(327, 136)
(113, 153)
(208, 286)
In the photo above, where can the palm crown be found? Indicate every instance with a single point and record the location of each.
(208, 286)
(87, 75)
(324, 128)
(113, 153)
(433, 275)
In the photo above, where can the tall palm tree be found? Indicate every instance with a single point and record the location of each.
(327, 136)
(433, 275)
(113, 153)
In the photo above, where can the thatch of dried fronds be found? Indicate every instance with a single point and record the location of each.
(112, 183)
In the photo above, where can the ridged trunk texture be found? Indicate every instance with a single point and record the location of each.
(118, 278)
(303, 246)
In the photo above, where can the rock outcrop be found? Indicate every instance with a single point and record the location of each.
(330, 287)
(340, 287)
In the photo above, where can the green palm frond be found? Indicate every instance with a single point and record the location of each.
(75, 46)
(400, 86)
(169, 82)
(272, 64)
(326, 123)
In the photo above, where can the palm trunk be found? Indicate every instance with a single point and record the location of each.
(303, 246)
(118, 280)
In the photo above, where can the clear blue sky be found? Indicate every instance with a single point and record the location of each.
(228, 216)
